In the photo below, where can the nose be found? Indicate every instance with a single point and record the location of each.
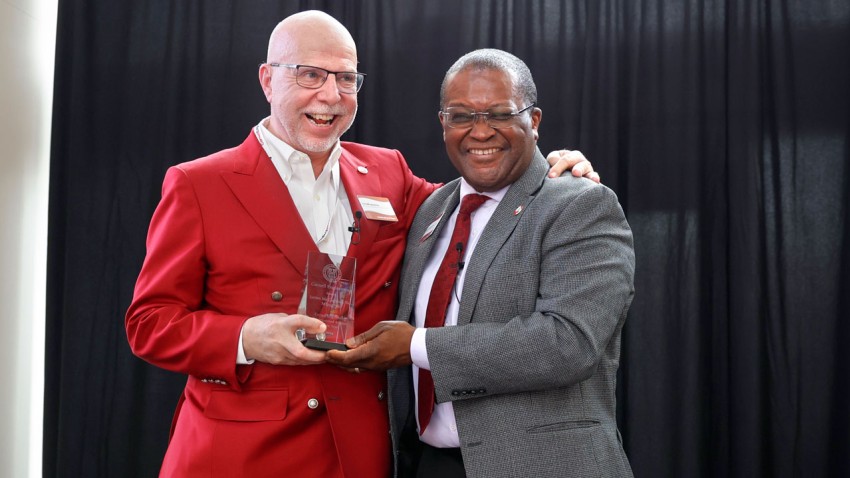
(329, 92)
(480, 128)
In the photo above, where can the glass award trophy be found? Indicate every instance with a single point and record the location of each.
(329, 297)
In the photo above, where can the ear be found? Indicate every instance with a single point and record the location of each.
(536, 117)
(443, 124)
(265, 76)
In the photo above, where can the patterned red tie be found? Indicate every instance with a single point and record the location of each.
(441, 293)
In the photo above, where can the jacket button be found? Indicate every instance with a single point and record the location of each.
(381, 396)
(312, 404)
(277, 296)
(388, 283)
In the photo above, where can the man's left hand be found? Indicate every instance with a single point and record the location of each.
(565, 159)
(384, 346)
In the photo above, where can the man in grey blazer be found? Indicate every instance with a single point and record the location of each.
(523, 361)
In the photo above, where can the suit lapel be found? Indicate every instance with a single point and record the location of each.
(498, 229)
(360, 177)
(257, 185)
(416, 256)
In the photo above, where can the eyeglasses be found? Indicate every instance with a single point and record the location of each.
(460, 117)
(313, 77)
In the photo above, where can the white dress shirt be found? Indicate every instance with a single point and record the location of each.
(321, 201)
(442, 429)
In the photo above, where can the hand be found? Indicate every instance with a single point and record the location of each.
(270, 338)
(564, 159)
(384, 346)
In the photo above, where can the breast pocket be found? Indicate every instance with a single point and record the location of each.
(511, 285)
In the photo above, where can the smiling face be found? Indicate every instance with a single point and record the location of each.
(309, 120)
(489, 158)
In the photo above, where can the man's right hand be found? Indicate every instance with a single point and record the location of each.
(270, 338)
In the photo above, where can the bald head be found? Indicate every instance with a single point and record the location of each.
(311, 31)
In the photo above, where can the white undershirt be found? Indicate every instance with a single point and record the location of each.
(321, 201)
(442, 429)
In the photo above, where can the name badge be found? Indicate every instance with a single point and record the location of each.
(377, 208)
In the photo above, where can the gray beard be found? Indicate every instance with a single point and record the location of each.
(322, 146)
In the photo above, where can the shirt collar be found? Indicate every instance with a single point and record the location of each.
(282, 154)
(466, 188)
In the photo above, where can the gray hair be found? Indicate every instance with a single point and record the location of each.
(493, 59)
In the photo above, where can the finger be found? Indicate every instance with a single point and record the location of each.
(346, 359)
(305, 356)
(361, 339)
(594, 176)
(337, 357)
(579, 170)
(554, 156)
(309, 324)
(575, 157)
(559, 167)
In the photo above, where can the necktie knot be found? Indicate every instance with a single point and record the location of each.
(471, 202)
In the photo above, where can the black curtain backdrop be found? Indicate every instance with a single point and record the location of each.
(722, 125)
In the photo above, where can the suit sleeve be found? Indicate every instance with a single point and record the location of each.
(579, 288)
(167, 324)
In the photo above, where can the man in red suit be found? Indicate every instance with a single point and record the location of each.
(223, 276)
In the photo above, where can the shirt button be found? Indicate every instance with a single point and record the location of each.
(312, 404)
(277, 296)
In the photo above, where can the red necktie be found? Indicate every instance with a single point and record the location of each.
(441, 293)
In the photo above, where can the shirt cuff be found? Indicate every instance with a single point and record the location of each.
(418, 351)
(240, 352)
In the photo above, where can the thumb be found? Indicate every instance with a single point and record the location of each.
(361, 339)
(356, 341)
(309, 324)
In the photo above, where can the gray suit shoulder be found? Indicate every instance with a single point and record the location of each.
(569, 187)
(570, 184)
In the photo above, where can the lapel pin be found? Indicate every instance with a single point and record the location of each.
(430, 229)
(518, 210)
(362, 169)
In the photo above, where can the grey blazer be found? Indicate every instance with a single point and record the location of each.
(531, 366)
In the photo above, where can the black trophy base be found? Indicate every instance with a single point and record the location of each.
(323, 345)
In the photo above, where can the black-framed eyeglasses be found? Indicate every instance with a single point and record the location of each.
(461, 117)
(313, 77)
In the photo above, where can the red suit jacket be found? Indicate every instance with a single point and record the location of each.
(226, 243)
